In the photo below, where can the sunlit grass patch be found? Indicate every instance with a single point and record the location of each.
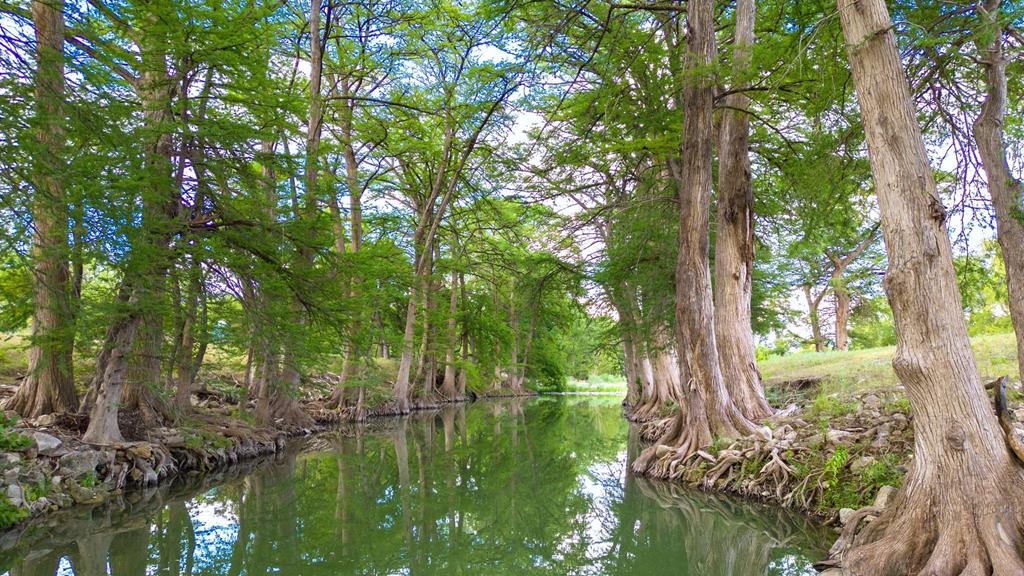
(861, 370)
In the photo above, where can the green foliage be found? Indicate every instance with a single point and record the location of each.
(10, 440)
(982, 283)
(833, 467)
(871, 324)
(38, 490)
(883, 472)
(89, 480)
(10, 514)
(830, 406)
(15, 294)
(901, 404)
(844, 488)
(198, 438)
(720, 443)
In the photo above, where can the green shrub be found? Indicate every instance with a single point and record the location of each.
(11, 441)
(898, 405)
(836, 493)
(830, 406)
(38, 490)
(10, 514)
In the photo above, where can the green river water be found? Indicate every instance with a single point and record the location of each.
(517, 486)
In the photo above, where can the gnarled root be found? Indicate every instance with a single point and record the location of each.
(686, 436)
(940, 529)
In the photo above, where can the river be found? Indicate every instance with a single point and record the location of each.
(514, 486)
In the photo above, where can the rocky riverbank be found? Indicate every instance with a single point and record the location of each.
(829, 455)
(45, 467)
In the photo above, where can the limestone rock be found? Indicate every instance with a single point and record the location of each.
(862, 463)
(46, 443)
(141, 450)
(844, 515)
(838, 436)
(83, 495)
(77, 464)
(15, 495)
(872, 402)
(885, 494)
(46, 420)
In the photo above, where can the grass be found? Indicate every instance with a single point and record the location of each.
(862, 370)
(610, 383)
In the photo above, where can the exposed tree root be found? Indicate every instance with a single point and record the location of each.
(686, 436)
(938, 530)
(951, 518)
(1014, 436)
(285, 412)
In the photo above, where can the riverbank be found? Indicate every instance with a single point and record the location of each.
(45, 467)
(505, 486)
(829, 454)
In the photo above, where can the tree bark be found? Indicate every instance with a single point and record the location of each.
(734, 239)
(707, 408)
(842, 317)
(448, 386)
(959, 510)
(813, 318)
(145, 273)
(351, 355)
(837, 282)
(49, 386)
(1006, 190)
(185, 361)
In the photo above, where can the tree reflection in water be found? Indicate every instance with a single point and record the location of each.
(521, 486)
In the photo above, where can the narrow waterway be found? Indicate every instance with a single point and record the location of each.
(518, 486)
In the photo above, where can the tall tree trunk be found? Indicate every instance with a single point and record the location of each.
(401, 389)
(1006, 190)
(337, 399)
(424, 360)
(632, 377)
(132, 343)
(186, 346)
(278, 402)
(734, 239)
(351, 355)
(707, 409)
(814, 318)
(461, 383)
(960, 508)
(842, 316)
(839, 286)
(49, 386)
(448, 387)
(659, 370)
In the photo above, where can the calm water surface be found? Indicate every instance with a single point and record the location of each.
(534, 486)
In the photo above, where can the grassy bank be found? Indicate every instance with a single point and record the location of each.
(600, 384)
(863, 370)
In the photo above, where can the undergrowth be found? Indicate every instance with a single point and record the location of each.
(9, 513)
(11, 441)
